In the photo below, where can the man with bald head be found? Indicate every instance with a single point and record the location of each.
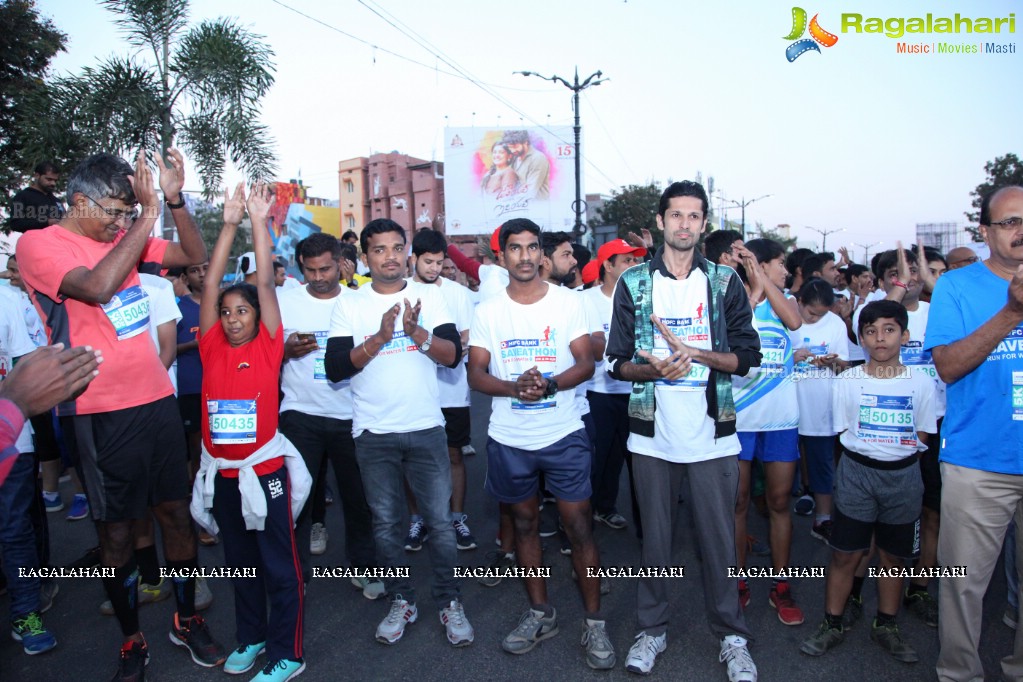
(975, 335)
(960, 257)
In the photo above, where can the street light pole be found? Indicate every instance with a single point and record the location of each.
(576, 88)
(866, 251)
(824, 235)
(743, 204)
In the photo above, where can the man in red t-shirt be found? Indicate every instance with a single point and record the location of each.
(83, 277)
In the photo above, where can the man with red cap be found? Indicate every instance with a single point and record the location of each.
(609, 397)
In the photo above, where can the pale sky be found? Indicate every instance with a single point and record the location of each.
(856, 137)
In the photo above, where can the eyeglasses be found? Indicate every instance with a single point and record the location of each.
(1013, 223)
(952, 265)
(115, 213)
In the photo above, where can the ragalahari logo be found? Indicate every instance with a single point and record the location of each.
(817, 35)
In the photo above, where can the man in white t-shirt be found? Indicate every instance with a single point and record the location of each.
(681, 413)
(428, 254)
(609, 398)
(316, 414)
(389, 337)
(530, 348)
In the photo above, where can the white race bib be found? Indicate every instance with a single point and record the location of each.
(886, 420)
(128, 312)
(232, 422)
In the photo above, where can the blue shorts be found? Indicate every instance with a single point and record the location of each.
(769, 446)
(513, 474)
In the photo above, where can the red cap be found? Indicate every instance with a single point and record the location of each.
(619, 246)
(591, 271)
(495, 241)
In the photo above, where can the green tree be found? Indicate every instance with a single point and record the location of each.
(28, 42)
(210, 220)
(788, 243)
(1003, 171)
(633, 208)
(197, 87)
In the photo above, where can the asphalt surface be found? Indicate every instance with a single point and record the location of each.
(340, 622)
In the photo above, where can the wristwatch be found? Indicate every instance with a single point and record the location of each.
(179, 204)
(551, 390)
(425, 345)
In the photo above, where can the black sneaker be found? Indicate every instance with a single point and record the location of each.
(890, 639)
(463, 538)
(417, 535)
(134, 659)
(821, 641)
(195, 636)
(822, 531)
(853, 612)
(923, 606)
(566, 544)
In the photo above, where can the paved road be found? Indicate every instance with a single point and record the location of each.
(340, 623)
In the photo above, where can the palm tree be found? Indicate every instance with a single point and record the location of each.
(197, 87)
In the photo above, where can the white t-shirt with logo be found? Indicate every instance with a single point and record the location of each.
(880, 418)
(304, 380)
(600, 307)
(519, 337)
(913, 354)
(397, 391)
(33, 323)
(454, 387)
(594, 325)
(14, 342)
(683, 431)
(814, 384)
(163, 308)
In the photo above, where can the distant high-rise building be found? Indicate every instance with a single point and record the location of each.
(943, 236)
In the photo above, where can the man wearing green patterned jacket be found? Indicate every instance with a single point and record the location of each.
(680, 327)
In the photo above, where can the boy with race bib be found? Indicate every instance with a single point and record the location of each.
(884, 412)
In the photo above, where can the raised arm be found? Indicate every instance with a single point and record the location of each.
(234, 211)
(99, 284)
(190, 249)
(258, 204)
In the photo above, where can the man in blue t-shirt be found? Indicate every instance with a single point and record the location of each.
(975, 335)
(189, 365)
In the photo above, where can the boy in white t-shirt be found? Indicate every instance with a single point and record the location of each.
(822, 349)
(884, 412)
(530, 348)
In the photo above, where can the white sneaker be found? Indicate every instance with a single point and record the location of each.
(392, 627)
(740, 664)
(372, 588)
(452, 617)
(644, 652)
(318, 539)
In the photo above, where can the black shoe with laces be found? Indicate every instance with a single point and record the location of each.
(194, 635)
(134, 659)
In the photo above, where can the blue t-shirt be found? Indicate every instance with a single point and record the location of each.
(189, 364)
(983, 427)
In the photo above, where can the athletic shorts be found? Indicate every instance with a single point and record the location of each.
(190, 409)
(883, 502)
(457, 426)
(769, 446)
(513, 474)
(131, 459)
